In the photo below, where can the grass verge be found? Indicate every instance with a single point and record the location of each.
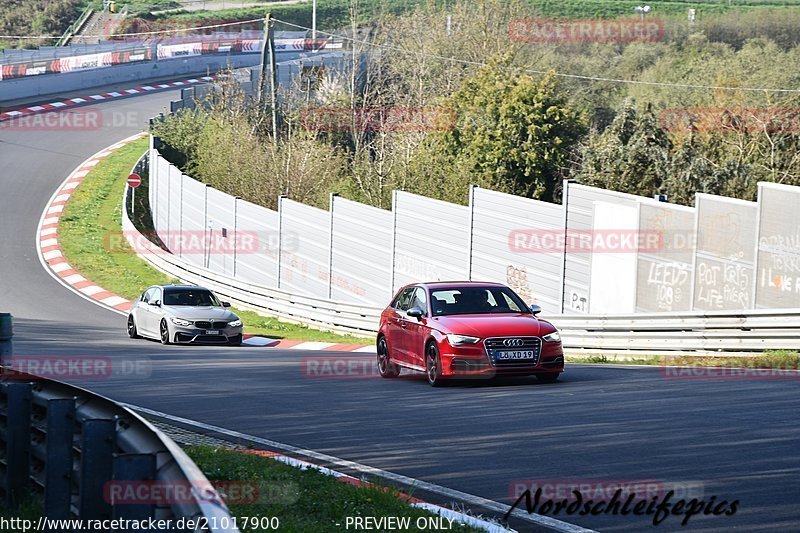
(93, 215)
(301, 500)
(782, 359)
(29, 508)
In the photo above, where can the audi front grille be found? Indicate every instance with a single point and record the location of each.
(494, 345)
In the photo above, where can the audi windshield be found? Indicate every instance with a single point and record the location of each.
(476, 301)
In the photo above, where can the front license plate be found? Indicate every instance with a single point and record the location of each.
(515, 355)
(212, 332)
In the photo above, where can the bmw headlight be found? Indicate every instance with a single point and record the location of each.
(235, 323)
(552, 337)
(460, 340)
(181, 322)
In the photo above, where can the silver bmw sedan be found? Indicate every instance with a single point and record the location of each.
(183, 314)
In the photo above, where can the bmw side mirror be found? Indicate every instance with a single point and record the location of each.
(226, 304)
(535, 309)
(415, 312)
(156, 303)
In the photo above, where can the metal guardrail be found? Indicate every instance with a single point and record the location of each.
(753, 330)
(64, 444)
(75, 27)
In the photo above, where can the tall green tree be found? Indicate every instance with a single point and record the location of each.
(510, 132)
(632, 155)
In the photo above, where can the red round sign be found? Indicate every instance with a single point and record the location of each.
(134, 180)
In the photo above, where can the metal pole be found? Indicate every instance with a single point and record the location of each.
(273, 80)
(97, 451)
(330, 245)
(565, 203)
(18, 442)
(58, 466)
(134, 469)
(314, 22)
(280, 237)
(472, 188)
(264, 48)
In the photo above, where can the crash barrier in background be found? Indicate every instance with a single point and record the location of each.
(16, 64)
(63, 445)
(30, 73)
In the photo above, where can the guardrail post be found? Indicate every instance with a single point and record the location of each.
(97, 449)
(58, 464)
(18, 442)
(235, 230)
(6, 326)
(6, 332)
(137, 468)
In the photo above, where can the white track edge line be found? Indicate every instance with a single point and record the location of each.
(44, 263)
(544, 521)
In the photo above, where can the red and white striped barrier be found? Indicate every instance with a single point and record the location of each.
(73, 102)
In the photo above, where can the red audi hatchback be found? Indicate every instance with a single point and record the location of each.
(466, 329)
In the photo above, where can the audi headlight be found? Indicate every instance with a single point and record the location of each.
(552, 337)
(459, 340)
(235, 323)
(181, 322)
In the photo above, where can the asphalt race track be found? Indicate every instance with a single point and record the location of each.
(734, 439)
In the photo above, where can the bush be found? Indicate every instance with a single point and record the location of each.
(36, 17)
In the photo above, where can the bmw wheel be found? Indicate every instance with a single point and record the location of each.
(386, 368)
(164, 332)
(132, 333)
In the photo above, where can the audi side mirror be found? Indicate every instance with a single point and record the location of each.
(155, 303)
(535, 309)
(226, 304)
(415, 312)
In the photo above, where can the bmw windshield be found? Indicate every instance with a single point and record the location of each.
(191, 297)
(475, 301)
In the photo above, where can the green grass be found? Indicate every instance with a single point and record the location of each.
(783, 359)
(29, 508)
(333, 14)
(94, 214)
(625, 8)
(303, 500)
